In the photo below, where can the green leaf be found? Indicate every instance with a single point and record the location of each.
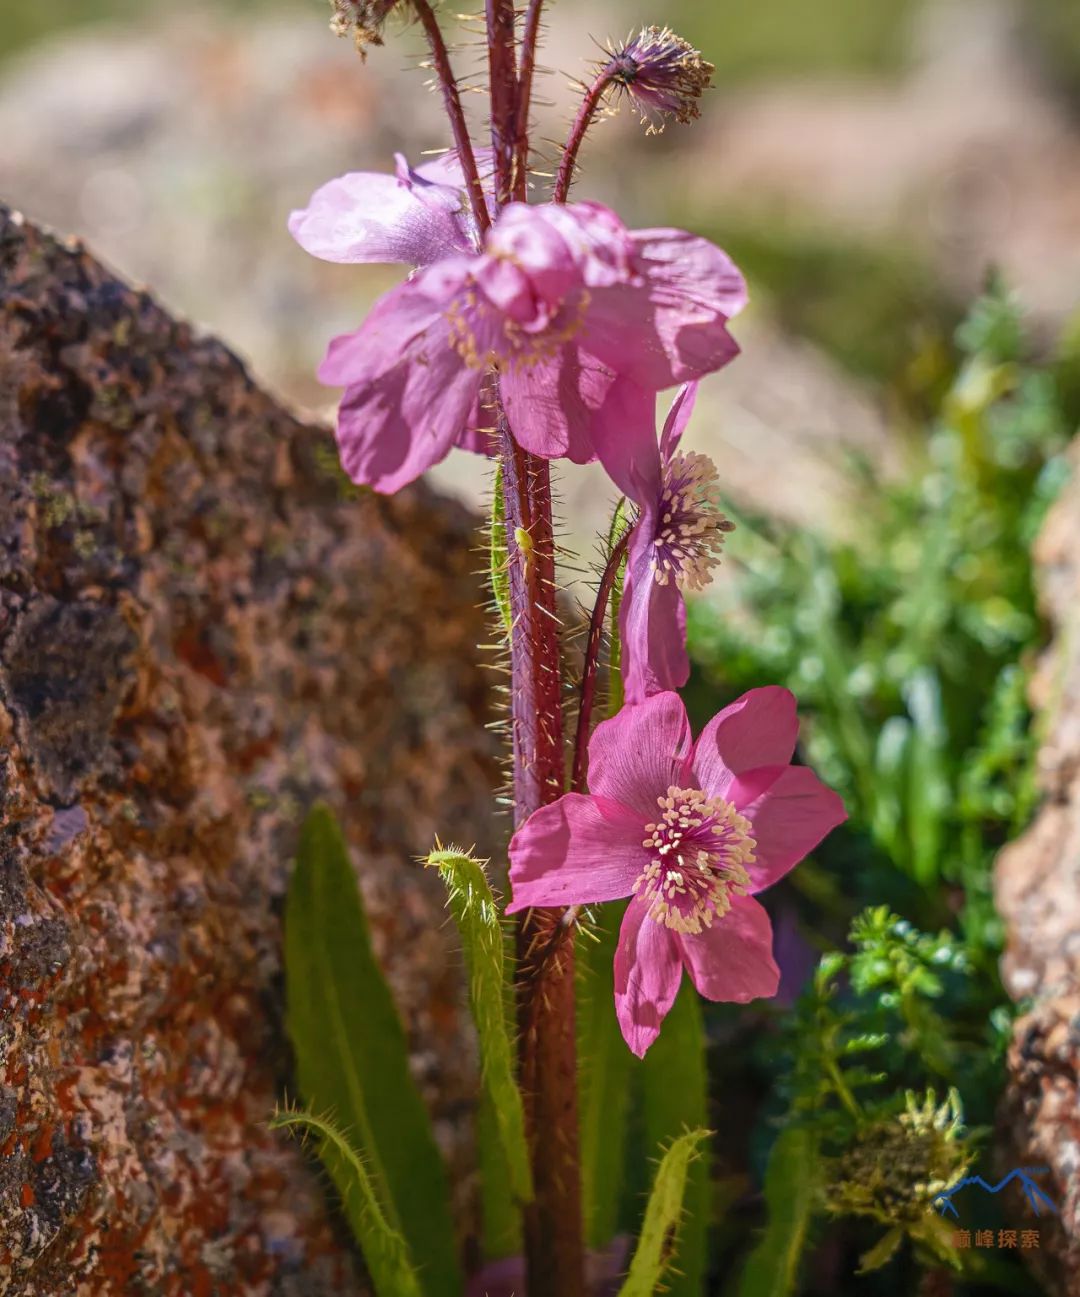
(772, 1269)
(385, 1253)
(477, 917)
(882, 1252)
(351, 1055)
(498, 560)
(658, 1245)
(500, 1214)
(675, 1098)
(928, 785)
(620, 520)
(606, 1068)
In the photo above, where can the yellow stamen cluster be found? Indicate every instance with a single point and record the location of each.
(691, 530)
(699, 852)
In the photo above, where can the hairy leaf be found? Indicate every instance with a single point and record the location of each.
(657, 1254)
(498, 560)
(474, 910)
(351, 1054)
(385, 1252)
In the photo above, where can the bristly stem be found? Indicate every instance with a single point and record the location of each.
(452, 100)
(527, 70)
(592, 659)
(593, 97)
(503, 79)
(547, 1049)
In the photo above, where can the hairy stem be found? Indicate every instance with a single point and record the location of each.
(502, 75)
(587, 693)
(547, 1049)
(452, 101)
(593, 97)
(530, 37)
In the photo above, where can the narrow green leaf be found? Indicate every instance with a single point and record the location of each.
(500, 1214)
(606, 1069)
(498, 559)
(675, 1090)
(620, 520)
(659, 1243)
(790, 1182)
(929, 793)
(351, 1054)
(477, 917)
(385, 1252)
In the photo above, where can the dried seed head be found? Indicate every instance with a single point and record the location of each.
(364, 18)
(662, 73)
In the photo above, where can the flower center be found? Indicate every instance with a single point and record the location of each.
(691, 530)
(698, 853)
(517, 332)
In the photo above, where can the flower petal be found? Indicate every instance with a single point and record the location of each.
(551, 405)
(640, 752)
(652, 623)
(731, 960)
(369, 216)
(790, 811)
(648, 970)
(758, 729)
(409, 396)
(678, 417)
(576, 851)
(623, 431)
(668, 323)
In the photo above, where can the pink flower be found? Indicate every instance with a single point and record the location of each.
(691, 831)
(675, 545)
(562, 300)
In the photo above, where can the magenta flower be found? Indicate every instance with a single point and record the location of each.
(562, 300)
(675, 544)
(691, 831)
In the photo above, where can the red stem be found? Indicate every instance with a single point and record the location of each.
(502, 77)
(529, 39)
(455, 112)
(585, 114)
(592, 658)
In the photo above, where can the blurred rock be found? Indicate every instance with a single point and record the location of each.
(201, 631)
(1037, 887)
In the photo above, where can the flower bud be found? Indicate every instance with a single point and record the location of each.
(662, 73)
(364, 18)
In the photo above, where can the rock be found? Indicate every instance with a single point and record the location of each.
(1037, 884)
(202, 630)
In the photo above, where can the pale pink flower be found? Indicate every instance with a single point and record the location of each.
(691, 831)
(582, 319)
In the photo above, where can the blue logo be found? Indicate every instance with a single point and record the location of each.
(1037, 1198)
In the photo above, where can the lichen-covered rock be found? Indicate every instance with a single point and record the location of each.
(202, 630)
(1038, 893)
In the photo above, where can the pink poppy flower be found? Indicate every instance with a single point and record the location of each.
(562, 300)
(675, 544)
(691, 832)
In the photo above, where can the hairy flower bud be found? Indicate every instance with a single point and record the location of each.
(364, 18)
(662, 73)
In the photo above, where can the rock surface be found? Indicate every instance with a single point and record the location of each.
(1038, 894)
(201, 631)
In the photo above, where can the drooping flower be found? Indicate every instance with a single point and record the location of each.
(691, 832)
(663, 74)
(562, 301)
(675, 545)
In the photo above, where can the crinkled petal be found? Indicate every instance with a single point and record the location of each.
(732, 959)
(648, 970)
(640, 752)
(577, 851)
(367, 216)
(758, 729)
(790, 810)
(652, 624)
(551, 405)
(668, 323)
(409, 396)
